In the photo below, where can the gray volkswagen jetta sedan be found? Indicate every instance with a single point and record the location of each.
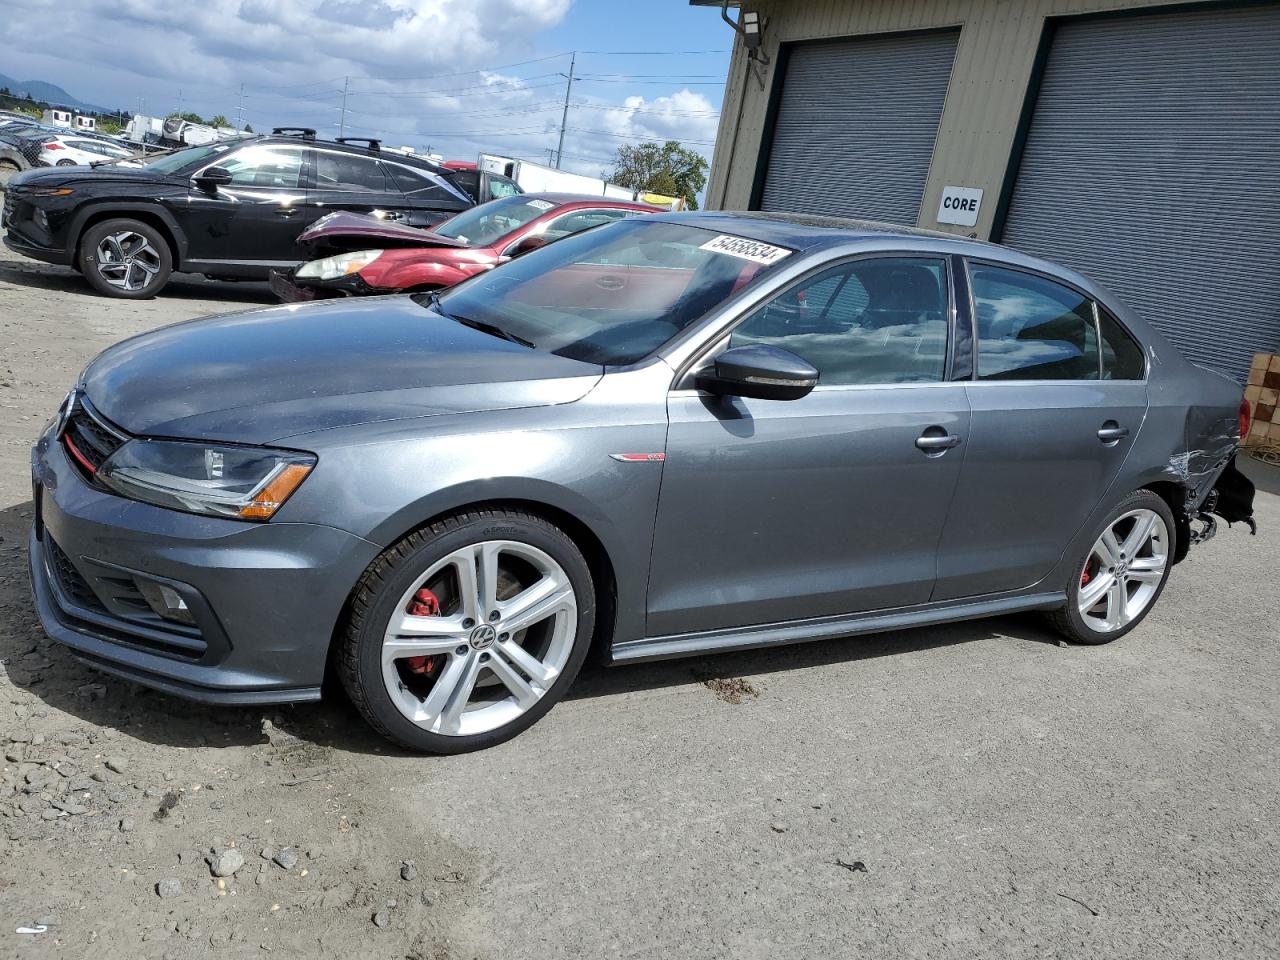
(665, 436)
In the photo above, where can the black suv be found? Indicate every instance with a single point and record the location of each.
(229, 209)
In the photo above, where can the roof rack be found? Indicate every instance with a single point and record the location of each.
(370, 142)
(306, 133)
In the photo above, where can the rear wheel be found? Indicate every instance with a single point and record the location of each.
(466, 633)
(125, 258)
(1123, 574)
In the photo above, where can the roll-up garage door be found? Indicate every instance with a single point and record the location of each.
(1152, 164)
(855, 126)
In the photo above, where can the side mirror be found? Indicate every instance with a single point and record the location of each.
(211, 178)
(532, 242)
(760, 371)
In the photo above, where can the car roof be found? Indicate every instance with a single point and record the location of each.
(806, 232)
(561, 199)
(356, 149)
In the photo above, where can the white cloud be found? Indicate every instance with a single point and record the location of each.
(422, 72)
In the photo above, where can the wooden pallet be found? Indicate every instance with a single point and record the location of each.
(1263, 394)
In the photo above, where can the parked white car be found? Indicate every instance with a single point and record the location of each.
(70, 151)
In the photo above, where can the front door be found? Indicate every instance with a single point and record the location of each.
(832, 504)
(1056, 408)
(254, 219)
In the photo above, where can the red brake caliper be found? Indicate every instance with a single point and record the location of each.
(424, 604)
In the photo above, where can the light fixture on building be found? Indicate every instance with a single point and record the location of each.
(750, 28)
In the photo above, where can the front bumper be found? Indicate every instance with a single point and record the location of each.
(265, 596)
(285, 285)
(20, 244)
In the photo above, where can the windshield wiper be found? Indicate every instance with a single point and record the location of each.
(493, 329)
(433, 297)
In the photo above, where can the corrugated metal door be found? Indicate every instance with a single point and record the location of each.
(1152, 164)
(855, 126)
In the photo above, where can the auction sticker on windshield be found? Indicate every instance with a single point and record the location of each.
(745, 249)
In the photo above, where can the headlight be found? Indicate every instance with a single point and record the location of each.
(331, 268)
(247, 483)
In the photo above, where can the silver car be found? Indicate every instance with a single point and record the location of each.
(662, 437)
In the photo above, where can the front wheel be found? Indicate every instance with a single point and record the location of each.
(125, 258)
(467, 632)
(1118, 581)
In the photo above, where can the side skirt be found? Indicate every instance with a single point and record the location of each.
(803, 631)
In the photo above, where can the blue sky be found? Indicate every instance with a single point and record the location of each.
(462, 76)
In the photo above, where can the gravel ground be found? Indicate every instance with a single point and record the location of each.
(958, 792)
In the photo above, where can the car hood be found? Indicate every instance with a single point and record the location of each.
(352, 227)
(69, 176)
(260, 375)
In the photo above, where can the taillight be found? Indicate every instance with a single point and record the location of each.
(1246, 418)
(54, 146)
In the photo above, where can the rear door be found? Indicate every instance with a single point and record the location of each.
(354, 183)
(428, 199)
(1056, 408)
(832, 504)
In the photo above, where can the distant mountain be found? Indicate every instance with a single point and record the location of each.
(48, 92)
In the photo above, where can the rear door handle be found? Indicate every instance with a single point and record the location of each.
(1112, 432)
(288, 212)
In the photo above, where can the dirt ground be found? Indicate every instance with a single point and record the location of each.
(960, 792)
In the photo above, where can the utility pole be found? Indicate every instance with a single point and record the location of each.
(240, 110)
(564, 117)
(342, 122)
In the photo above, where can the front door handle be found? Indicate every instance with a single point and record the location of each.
(288, 212)
(1112, 432)
(937, 440)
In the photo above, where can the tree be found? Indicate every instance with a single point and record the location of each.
(248, 129)
(189, 117)
(219, 121)
(665, 168)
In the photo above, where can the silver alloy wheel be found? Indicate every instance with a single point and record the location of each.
(496, 652)
(1124, 570)
(127, 260)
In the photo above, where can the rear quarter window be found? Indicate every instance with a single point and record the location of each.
(1122, 356)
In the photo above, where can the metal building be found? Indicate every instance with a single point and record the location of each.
(1138, 142)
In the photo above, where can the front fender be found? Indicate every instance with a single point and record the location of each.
(130, 208)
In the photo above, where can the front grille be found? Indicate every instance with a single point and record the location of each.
(73, 584)
(91, 438)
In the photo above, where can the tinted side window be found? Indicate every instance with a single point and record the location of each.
(1122, 357)
(580, 220)
(344, 171)
(866, 322)
(468, 181)
(265, 166)
(1030, 328)
(502, 187)
(421, 188)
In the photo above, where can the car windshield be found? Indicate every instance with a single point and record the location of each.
(482, 225)
(190, 157)
(611, 295)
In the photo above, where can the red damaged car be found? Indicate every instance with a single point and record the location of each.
(388, 257)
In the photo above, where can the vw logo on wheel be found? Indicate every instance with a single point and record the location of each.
(483, 637)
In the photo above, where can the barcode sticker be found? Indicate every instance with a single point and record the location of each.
(745, 249)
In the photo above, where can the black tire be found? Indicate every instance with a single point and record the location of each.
(161, 261)
(65, 163)
(1068, 620)
(358, 655)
